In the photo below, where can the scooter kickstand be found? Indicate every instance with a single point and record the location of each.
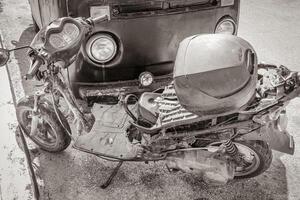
(112, 175)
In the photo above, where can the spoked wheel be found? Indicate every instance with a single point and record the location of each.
(51, 135)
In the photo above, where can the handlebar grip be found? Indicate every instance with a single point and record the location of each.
(35, 65)
(96, 20)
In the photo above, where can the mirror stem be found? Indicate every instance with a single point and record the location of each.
(22, 47)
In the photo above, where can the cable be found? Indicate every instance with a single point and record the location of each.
(126, 106)
(58, 116)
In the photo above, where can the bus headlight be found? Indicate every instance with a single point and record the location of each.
(101, 48)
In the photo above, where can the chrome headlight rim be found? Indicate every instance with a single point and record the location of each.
(91, 41)
(225, 20)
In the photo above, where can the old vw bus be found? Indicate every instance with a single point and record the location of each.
(135, 50)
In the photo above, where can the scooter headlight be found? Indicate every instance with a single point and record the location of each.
(101, 48)
(146, 79)
(226, 26)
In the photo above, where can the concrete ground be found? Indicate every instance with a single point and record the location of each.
(14, 178)
(272, 27)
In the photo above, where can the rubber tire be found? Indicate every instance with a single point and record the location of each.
(36, 28)
(63, 140)
(264, 153)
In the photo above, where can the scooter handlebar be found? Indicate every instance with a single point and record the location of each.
(96, 20)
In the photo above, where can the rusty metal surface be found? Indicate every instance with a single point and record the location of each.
(119, 87)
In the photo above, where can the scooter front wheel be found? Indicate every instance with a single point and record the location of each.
(51, 135)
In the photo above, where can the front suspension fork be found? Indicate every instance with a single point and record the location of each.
(85, 121)
(35, 113)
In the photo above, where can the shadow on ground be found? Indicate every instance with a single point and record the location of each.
(23, 60)
(1, 7)
(76, 175)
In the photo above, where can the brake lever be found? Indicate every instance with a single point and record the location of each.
(34, 67)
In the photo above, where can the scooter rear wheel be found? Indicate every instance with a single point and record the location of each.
(51, 135)
(258, 153)
(257, 158)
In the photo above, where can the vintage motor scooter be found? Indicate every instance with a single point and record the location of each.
(219, 117)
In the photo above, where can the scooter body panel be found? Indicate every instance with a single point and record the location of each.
(108, 135)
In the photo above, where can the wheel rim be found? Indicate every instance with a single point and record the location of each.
(248, 154)
(251, 157)
(45, 136)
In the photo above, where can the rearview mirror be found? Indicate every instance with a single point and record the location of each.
(4, 56)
